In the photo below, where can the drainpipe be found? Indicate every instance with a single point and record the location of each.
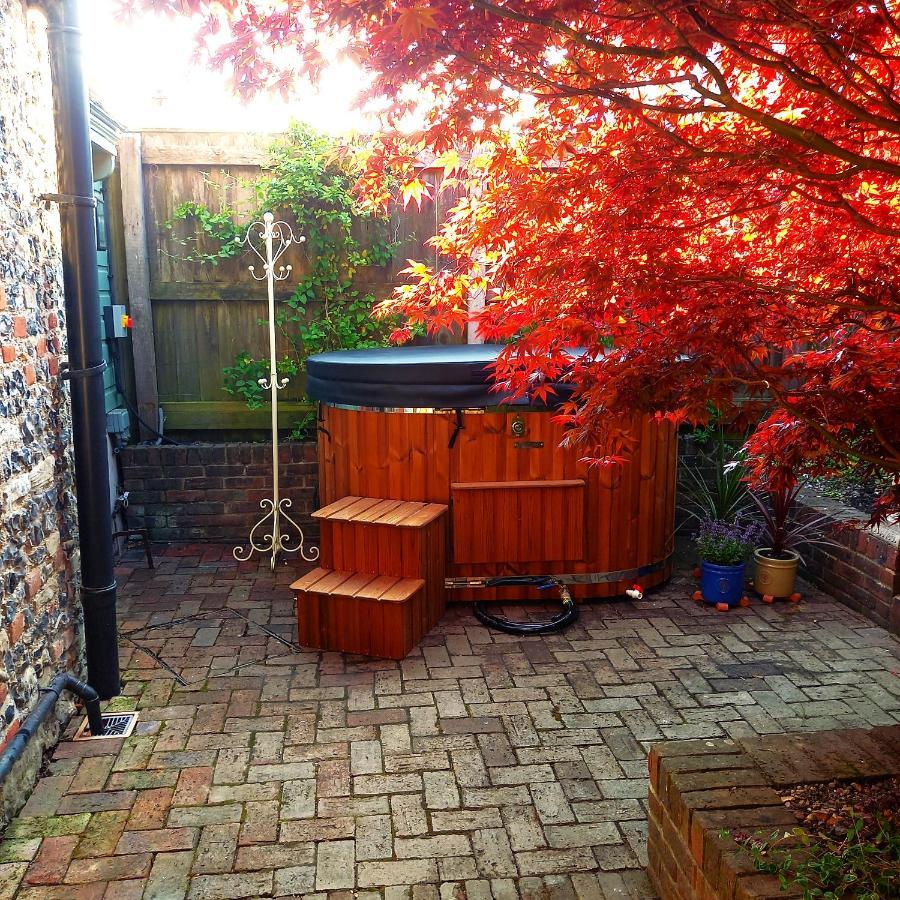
(49, 698)
(86, 365)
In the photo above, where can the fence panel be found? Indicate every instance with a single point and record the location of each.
(204, 315)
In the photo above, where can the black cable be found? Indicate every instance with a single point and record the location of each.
(557, 622)
(117, 377)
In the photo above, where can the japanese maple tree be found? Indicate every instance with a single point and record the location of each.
(703, 194)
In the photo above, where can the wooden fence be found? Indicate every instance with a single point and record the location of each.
(191, 319)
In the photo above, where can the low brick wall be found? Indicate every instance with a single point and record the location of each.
(701, 789)
(862, 570)
(211, 492)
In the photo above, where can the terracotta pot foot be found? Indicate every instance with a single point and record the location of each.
(795, 598)
(768, 598)
(722, 607)
(696, 573)
(696, 596)
(745, 601)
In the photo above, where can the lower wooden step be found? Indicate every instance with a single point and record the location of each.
(357, 612)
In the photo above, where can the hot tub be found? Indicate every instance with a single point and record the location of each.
(423, 423)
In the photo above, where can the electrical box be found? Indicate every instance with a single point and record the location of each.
(116, 321)
(117, 421)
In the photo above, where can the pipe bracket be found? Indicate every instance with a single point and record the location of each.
(98, 591)
(68, 374)
(70, 199)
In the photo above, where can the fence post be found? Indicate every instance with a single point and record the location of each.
(138, 267)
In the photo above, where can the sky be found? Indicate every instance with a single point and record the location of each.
(143, 75)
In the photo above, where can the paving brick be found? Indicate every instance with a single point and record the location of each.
(523, 827)
(52, 861)
(563, 836)
(436, 847)
(150, 809)
(335, 865)
(102, 834)
(92, 774)
(373, 837)
(160, 840)
(298, 799)
(493, 853)
(408, 815)
(465, 820)
(545, 862)
(186, 816)
(316, 829)
(168, 878)
(216, 849)
(97, 802)
(108, 868)
(231, 887)
(19, 850)
(407, 872)
(387, 784)
(260, 822)
(274, 856)
(298, 881)
(53, 826)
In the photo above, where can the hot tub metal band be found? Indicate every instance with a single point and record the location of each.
(473, 581)
(544, 582)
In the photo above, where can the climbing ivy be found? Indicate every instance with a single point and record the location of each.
(309, 178)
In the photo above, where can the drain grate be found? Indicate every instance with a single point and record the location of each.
(115, 725)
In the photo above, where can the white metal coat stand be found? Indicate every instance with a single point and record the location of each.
(268, 240)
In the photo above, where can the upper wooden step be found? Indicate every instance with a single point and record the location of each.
(383, 588)
(397, 513)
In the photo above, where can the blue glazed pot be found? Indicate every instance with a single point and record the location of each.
(722, 584)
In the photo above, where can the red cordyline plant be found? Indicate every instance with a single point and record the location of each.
(711, 187)
(787, 529)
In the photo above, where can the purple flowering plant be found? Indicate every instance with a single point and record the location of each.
(728, 543)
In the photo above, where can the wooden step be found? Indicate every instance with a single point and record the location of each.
(360, 612)
(398, 513)
(402, 538)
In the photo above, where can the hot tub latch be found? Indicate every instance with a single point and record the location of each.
(459, 427)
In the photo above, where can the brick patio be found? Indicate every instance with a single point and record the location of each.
(483, 765)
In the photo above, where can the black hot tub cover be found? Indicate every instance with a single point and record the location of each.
(456, 376)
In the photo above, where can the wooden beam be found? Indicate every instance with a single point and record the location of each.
(174, 148)
(207, 290)
(137, 264)
(225, 415)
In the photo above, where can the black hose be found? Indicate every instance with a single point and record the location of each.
(50, 696)
(557, 622)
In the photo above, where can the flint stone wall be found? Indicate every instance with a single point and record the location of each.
(39, 624)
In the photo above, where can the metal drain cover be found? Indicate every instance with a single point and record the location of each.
(115, 725)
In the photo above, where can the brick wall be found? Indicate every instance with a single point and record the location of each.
(703, 792)
(39, 615)
(211, 492)
(862, 570)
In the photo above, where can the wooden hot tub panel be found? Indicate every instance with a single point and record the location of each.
(517, 521)
(519, 503)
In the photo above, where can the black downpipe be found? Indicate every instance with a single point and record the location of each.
(50, 697)
(86, 365)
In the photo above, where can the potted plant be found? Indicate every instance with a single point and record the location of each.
(717, 488)
(785, 529)
(723, 548)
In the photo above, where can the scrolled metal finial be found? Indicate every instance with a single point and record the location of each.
(256, 238)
